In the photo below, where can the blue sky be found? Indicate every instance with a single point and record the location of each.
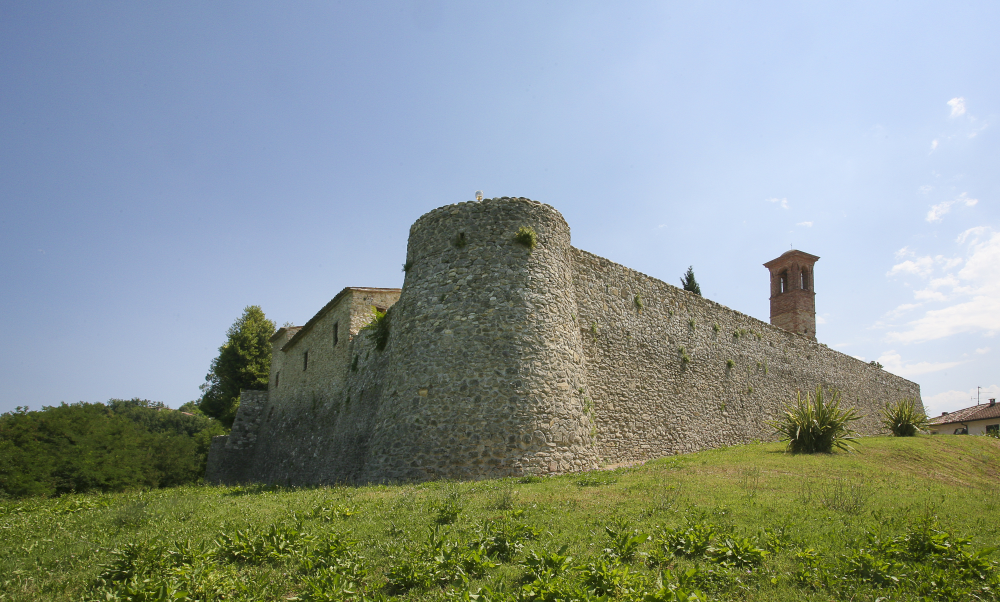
(164, 165)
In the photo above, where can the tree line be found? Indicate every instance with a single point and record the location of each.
(125, 444)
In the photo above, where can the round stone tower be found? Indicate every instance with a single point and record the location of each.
(485, 363)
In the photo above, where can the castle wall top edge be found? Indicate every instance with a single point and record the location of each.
(446, 209)
(715, 305)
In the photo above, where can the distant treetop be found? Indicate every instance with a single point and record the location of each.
(689, 283)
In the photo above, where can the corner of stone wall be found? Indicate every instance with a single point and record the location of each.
(247, 422)
(215, 470)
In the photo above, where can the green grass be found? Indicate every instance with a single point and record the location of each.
(758, 523)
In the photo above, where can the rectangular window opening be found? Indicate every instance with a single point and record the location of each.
(305, 361)
(336, 333)
(277, 378)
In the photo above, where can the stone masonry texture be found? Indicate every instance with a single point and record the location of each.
(504, 360)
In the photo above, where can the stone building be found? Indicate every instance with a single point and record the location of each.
(510, 354)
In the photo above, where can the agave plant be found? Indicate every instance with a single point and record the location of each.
(816, 424)
(904, 418)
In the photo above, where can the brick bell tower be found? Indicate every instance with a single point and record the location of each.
(793, 298)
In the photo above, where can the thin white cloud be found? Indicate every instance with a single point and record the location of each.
(934, 144)
(782, 202)
(972, 233)
(806, 224)
(902, 309)
(973, 291)
(904, 252)
(820, 319)
(982, 350)
(921, 266)
(893, 362)
(939, 210)
(957, 106)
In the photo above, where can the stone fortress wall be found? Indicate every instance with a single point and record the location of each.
(505, 361)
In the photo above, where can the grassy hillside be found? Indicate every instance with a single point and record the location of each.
(757, 523)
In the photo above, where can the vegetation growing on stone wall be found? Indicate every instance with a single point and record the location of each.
(739, 333)
(715, 327)
(816, 424)
(593, 329)
(526, 236)
(685, 358)
(692, 323)
(378, 329)
(638, 302)
(460, 240)
(875, 364)
(730, 364)
(904, 418)
(407, 266)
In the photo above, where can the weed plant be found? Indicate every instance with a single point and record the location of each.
(377, 330)
(526, 237)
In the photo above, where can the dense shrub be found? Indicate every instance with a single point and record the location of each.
(904, 419)
(815, 424)
(107, 447)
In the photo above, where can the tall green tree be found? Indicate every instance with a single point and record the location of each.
(689, 283)
(244, 362)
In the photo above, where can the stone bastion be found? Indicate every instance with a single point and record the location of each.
(501, 360)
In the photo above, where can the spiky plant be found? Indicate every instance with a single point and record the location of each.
(904, 418)
(815, 424)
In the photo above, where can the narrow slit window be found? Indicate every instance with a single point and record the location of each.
(336, 333)
(277, 379)
(784, 282)
(305, 361)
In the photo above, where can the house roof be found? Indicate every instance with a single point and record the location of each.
(979, 412)
(326, 308)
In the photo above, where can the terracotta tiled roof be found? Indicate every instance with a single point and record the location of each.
(979, 412)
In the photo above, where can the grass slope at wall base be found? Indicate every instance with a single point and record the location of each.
(504, 360)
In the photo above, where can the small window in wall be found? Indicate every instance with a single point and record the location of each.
(336, 333)
(277, 378)
(305, 361)
(380, 310)
(993, 428)
(805, 280)
(784, 282)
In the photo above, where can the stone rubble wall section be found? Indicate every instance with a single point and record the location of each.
(648, 402)
(246, 426)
